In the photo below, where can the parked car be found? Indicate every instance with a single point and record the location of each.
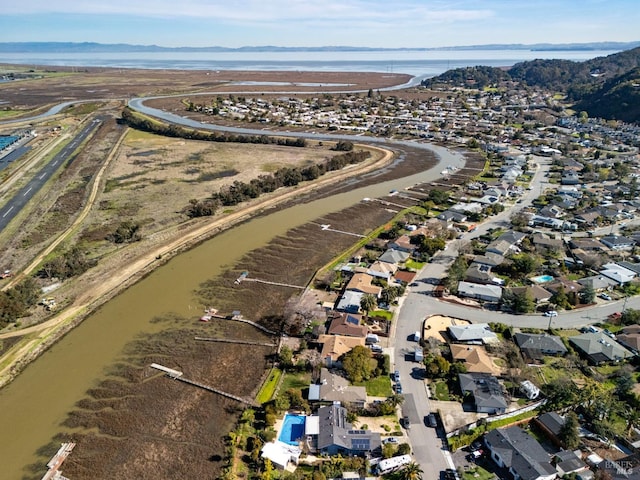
(393, 440)
(550, 313)
(430, 420)
(605, 296)
(405, 422)
(396, 376)
(398, 388)
(451, 474)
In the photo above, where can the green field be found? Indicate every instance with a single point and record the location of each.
(269, 386)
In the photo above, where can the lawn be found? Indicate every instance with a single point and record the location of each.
(477, 473)
(440, 390)
(386, 314)
(412, 264)
(296, 380)
(269, 387)
(377, 386)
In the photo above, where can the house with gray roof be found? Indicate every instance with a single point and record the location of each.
(337, 436)
(600, 348)
(485, 391)
(334, 388)
(394, 256)
(475, 332)
(520, 453)
(551, 424)
(619, 274)
(617, 242)
(598, 282)
(488, 293)
(536, 346)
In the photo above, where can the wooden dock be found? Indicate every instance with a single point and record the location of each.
(56, 462)
(288, 285)
(176, 375)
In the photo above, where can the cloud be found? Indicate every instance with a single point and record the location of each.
(260, 11)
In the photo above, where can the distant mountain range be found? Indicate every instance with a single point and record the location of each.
(73, 47)
(607, 87)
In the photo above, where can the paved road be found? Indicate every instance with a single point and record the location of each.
(12, 208)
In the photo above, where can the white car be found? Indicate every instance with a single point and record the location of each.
(605, 296)
(551, 313)
(390, 440)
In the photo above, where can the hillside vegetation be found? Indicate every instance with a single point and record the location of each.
(605, 87)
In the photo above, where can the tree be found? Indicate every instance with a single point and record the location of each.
(368, 302)
(285, 357)
(519, 219)
(588, 293)
(411, 472)
(358, 364)
(560, 298)
(569, 431)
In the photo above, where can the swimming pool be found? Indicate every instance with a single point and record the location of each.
(541, 279)
(292, 429)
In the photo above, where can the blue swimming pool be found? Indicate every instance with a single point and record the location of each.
(542, 279)
(292, 429)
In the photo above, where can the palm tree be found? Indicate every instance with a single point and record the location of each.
(411, 472)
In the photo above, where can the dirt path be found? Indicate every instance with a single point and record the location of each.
(118, 279)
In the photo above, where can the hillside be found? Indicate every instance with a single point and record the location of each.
(618, 99)
(592, 84)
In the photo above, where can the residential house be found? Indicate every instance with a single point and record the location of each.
(544, 243)
(334, 388)
(402, 243)
(501, 247)
(551, 424)
(451, 216)
(615, 242)
(567, 462)
(630, 338)
(350, 302)
(382, 269)
(394, 256)
(346, 324)
(336, 436)
(588, 218)
(475, 358)
(599, 283)
(478, 273)
(485, 392)
(520, 453)
(599, 348)
(361, 282)
(562, 283)
(570, 178)
(539, 294)
(489, 259)
(587, 244)
(535, 346)
(476, 333)
(404, 276)
(488, 293)
(617, 273)
(334, 346)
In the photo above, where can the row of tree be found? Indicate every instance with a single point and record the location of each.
(139, 122)
(284, 177)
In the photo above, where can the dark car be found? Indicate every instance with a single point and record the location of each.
(398, 388)
(405, 422)
(430, 420)
(451, 474)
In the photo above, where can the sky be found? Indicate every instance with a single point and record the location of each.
(313, 23)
